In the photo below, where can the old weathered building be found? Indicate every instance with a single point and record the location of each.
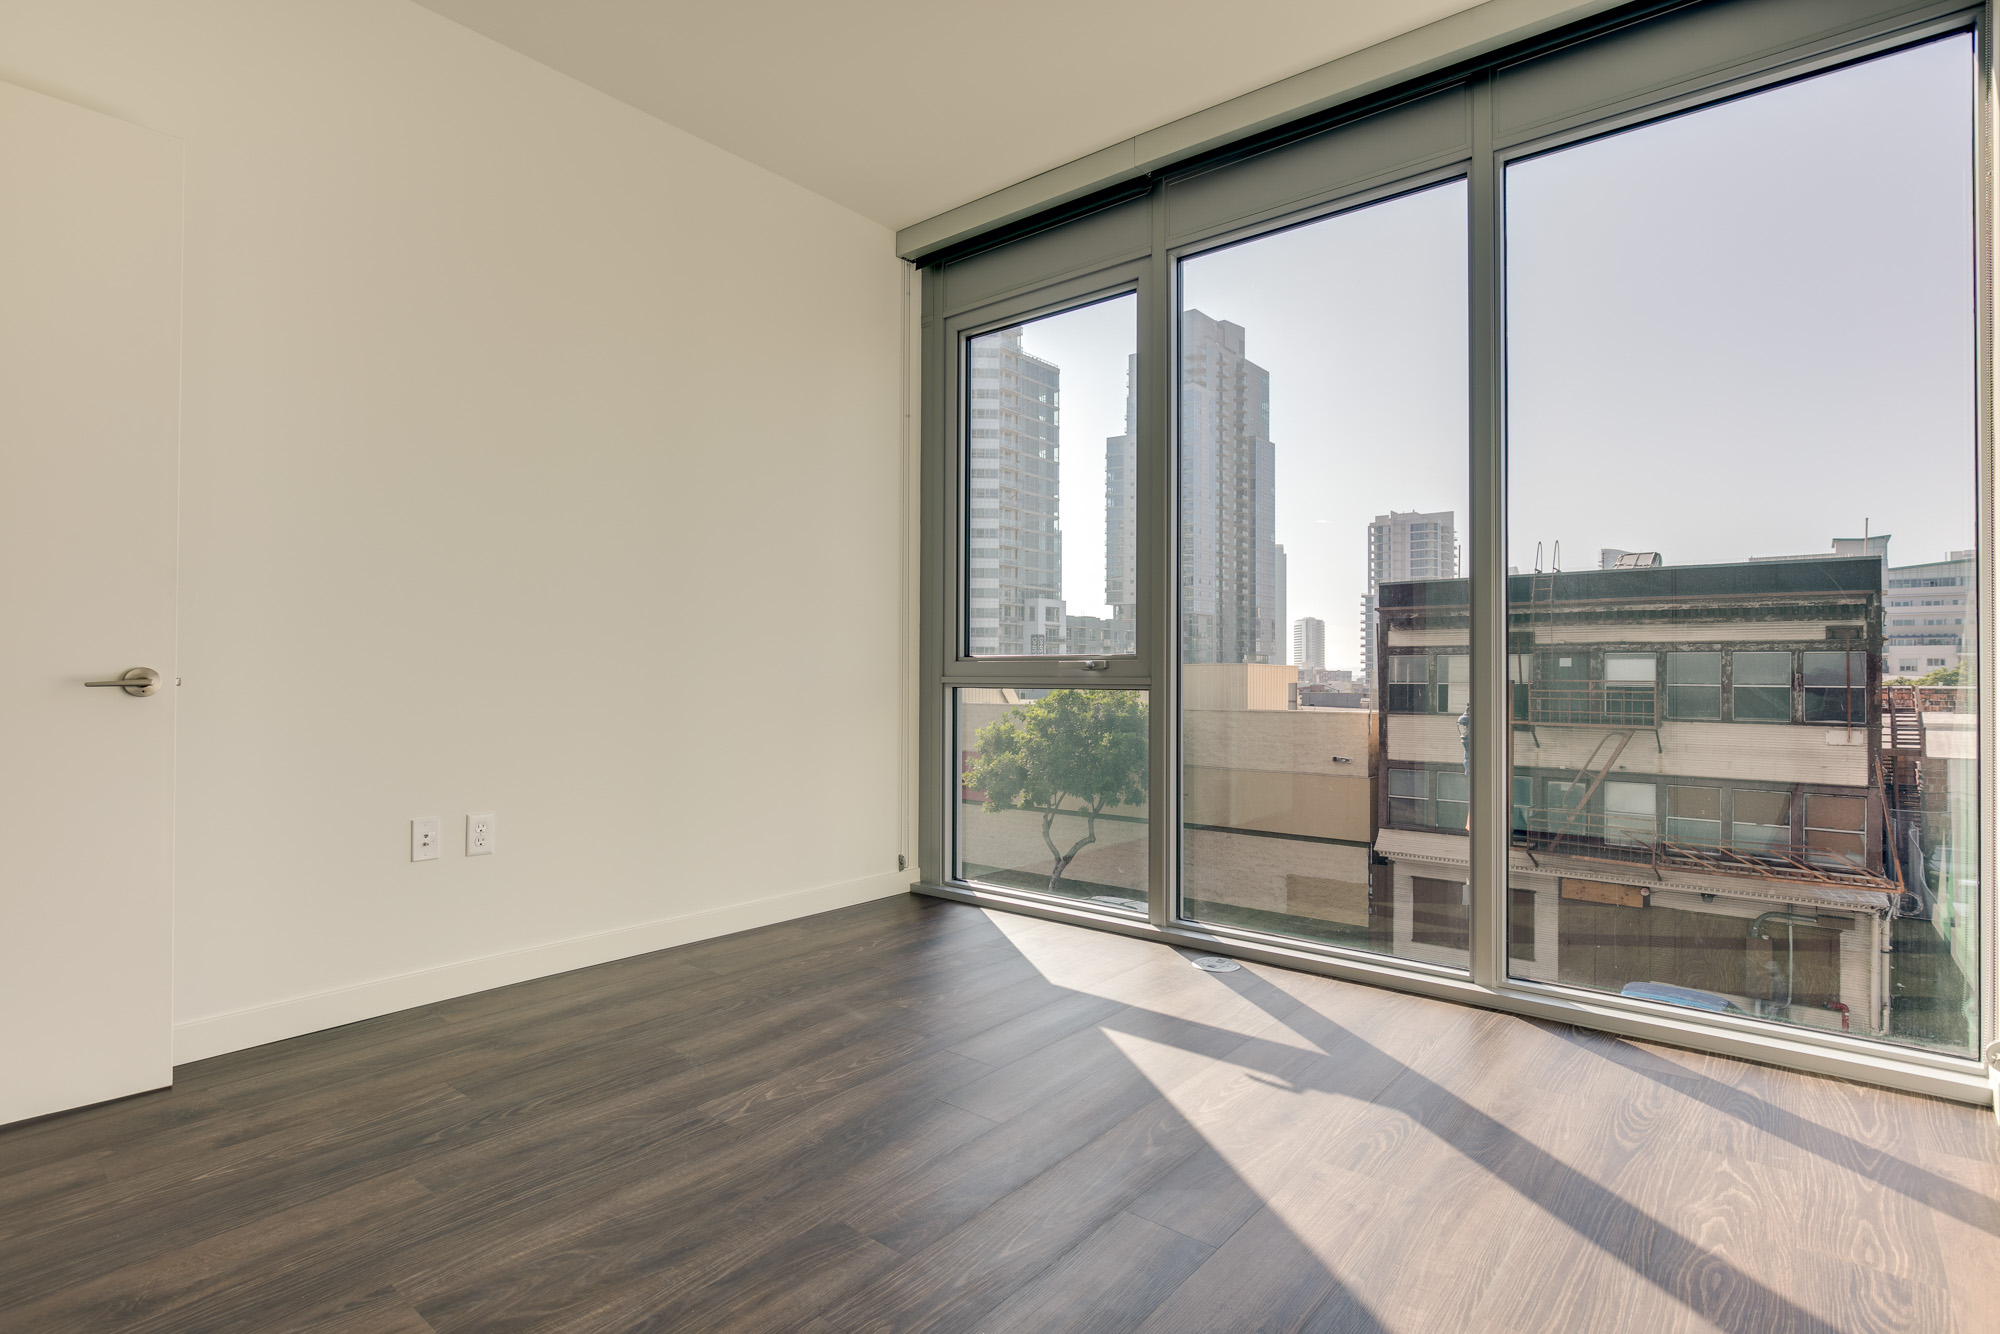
(1698, 801)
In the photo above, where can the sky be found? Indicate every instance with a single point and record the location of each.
(1750, 330)
(1361, 321)
(1740, 332)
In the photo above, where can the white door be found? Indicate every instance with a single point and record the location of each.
(90, 271)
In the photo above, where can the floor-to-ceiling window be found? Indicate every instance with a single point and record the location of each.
(1051, 781)
(1520, 539)
(1322, 456)
(1740, 400)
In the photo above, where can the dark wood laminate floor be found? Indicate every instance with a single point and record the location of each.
(915, 1115)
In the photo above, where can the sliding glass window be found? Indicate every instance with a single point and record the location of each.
(1049, 530)
(1321, 432)
(1741, 443)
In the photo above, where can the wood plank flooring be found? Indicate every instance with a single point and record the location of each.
(917, 1115)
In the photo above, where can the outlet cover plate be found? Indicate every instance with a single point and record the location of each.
(426, 838)
(479, 834)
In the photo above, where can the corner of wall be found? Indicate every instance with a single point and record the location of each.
(216, 1035)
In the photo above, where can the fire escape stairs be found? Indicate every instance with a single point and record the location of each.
(1593, 773)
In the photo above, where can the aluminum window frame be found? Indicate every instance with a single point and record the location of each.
(1028, 671)
(1133, 241)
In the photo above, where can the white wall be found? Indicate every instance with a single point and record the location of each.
(537, 458)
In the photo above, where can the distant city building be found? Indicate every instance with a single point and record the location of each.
(1924, 607)
(1283, 602)
(1014, 542)
(1844, 548)
(1231, 587)
(1095, 636)
(1309, 644)
(1403, 547)
(1121, 517)
(1926, 612)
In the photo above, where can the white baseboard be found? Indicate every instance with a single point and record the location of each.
(196, 1039)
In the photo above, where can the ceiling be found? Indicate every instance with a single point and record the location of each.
(902, 109)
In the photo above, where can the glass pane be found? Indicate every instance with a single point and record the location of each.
(1694, 669)
(1629, 811)
(1763, 704)
(1052, 792)
(1762, 819)
(1408, 689)
(1762, 669)
(1694, 686)
(1454, 683)
(1322, 428)
(1520, 677)
(1694, 816)
(1630, 667)
(1409, 798)
(1841, 707)
(1848, 670)
(1715, 322)
(1050, 485)
(1763, 687)
(1836, 687)
(1694, 703)
(1454, 791)
(1764, 808)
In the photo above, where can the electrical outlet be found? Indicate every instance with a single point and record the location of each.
(426, 838)
(479, 834)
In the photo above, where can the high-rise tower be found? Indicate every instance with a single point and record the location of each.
(1309, 643)
(1404, 546)
(1014, 542)
(1230, 591)
(1121, 522)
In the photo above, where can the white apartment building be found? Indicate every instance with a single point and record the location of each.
(1403, 546)
(1309, 643)
(1927, 614)
(1013, 501)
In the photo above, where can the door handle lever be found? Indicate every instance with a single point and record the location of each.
(136, 681)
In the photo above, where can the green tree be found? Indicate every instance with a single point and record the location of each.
(1070, 753)
(1939, 676)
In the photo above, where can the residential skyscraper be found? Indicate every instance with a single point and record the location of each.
(1404, 546)
(1229, 557)
(1309, 643)
(1283, 574)
(1014, 542)
(1121, 522)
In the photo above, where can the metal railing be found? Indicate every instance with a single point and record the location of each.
(1589, 704)
(1591, 836)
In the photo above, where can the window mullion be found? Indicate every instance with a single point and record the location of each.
(1159, 489)
(1488, 737)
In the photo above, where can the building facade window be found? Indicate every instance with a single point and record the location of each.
(1694, 686)
(1761, 687)
(1835, 686)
